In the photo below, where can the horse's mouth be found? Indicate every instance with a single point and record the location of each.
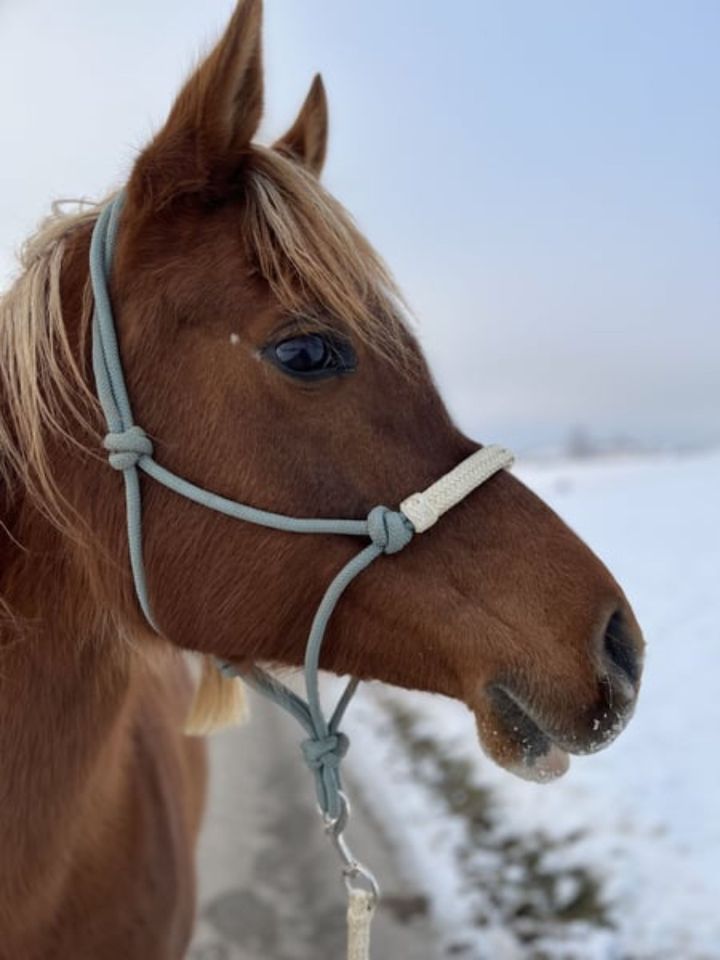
(513, 735)
(530, 752)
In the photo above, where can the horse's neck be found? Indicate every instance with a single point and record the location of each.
(65, 704)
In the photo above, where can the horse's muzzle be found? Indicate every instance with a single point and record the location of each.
(532, 732)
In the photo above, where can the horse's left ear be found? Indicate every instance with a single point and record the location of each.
(213, 120)
(306, 140)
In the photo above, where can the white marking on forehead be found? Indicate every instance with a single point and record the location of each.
(234, 339)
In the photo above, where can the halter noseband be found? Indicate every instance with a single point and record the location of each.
(389, 531)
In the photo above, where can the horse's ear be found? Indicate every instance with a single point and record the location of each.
(212, 121)
(306, 140)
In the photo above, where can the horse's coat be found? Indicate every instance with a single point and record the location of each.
(227, 247)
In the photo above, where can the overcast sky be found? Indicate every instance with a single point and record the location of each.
(542, 175)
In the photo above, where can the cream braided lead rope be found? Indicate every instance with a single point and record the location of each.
(424, 509)
(361, 909)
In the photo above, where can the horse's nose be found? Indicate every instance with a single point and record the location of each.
(622, 647)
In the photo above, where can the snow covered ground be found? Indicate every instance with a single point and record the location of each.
(620, 860)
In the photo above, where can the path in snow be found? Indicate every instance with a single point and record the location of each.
(270, 885)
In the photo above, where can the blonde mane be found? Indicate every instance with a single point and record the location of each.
(42, 387)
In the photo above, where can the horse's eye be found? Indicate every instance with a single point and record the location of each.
(313, 356)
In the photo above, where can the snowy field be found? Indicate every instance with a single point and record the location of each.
(620, 860)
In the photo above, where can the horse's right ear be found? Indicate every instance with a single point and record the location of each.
(212, 122)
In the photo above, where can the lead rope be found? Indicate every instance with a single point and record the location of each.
(390, 531)
(361, 910)
(362, 888)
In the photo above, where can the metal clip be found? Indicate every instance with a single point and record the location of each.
(355, 874)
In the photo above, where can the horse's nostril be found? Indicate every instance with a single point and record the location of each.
(621, 649)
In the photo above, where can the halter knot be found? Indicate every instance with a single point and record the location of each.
(327, 752)
(127, 448)
(389, 529)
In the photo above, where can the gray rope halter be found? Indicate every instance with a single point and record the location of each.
(389, 531)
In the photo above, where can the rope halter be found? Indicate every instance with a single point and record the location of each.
(389, 532)
(126, 448)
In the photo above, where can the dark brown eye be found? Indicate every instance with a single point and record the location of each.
(313, 356)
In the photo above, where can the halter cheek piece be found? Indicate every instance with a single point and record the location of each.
(389, 531)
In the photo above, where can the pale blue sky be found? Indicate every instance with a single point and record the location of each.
(542, 175)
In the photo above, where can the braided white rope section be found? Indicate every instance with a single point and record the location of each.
(361, 908)
(423, 510)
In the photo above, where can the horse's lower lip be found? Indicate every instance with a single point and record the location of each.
(544, 767)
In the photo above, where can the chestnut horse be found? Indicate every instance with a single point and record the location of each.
(266, 353)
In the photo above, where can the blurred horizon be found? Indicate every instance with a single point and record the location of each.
(541, 178)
